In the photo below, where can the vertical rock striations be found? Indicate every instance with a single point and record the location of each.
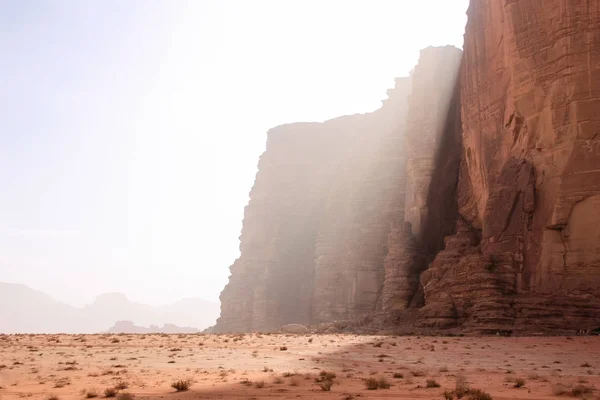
(324, 236)
(527, 247)
(492, 226)
(432, 146)
(314, 233)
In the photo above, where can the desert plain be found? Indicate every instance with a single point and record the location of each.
(286, 366)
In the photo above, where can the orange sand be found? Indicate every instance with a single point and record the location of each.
(34, 366)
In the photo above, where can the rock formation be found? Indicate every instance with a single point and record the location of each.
(311, 213)
(318, 233)
(472, 195)
(527, 247)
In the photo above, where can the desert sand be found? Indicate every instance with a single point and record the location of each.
(279, 366)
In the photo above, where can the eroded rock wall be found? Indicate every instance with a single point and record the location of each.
(342, 219)
(432, 147)
(315, 230)
(527, 247)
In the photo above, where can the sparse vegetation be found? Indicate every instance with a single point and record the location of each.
(110, 392)
(259, 384)
(121, 385)
(282, 348)
(181, 385)
(580, 390)
(373, 383)
(91, 393)
(398, 375)
(326, 375)
(432, 383)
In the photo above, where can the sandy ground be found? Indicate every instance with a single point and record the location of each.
(261, 366)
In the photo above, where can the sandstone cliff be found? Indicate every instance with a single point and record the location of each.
(527, 248)
(472, 195)
(319, 238)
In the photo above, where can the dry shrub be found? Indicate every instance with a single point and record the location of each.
(432, 383)
(181, 385)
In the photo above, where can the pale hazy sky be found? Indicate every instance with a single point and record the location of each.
(130, 130)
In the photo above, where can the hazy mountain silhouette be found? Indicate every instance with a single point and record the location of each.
(130, 327)
(25, 310)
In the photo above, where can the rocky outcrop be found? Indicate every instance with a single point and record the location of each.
(432, 146)
(314, 233)
(471, 205)
(320, 234)
(527, 248)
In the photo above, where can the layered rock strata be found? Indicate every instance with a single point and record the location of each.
(527, 247)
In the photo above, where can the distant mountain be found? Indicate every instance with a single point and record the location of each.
(130, 327)
(25, 310)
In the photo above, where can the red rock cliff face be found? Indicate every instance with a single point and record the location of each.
(432, 147)
(527, 247)
(314, 232)
(324, 235)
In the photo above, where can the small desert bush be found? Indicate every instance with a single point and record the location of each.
(259, 384)
(181, 385)
(432, 383)
(91, 393)
(282, 348)
(121, 385)
(110, 392)
(326, 376)
(52, 397)
(376, 383)
(398, 375)
(418, 373)
(371, 383)
(577, 391)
